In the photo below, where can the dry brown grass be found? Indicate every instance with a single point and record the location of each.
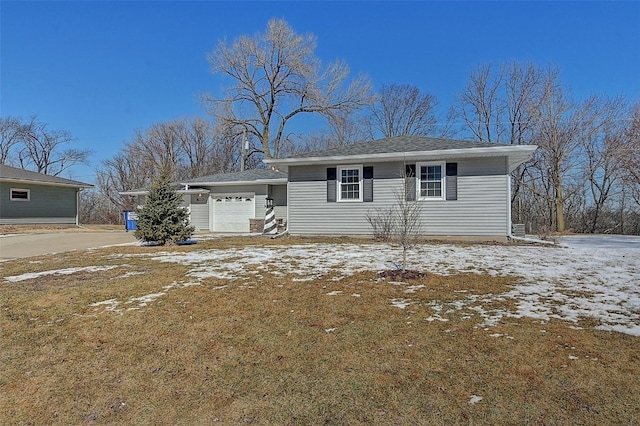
(279, 352)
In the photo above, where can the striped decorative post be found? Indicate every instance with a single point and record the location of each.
(270, 225)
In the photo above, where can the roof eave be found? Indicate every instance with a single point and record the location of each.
(238, 183)
(524, 151)
(38, 182)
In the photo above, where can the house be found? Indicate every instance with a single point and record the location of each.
(28, 198)
(463, 187)
(231, 202)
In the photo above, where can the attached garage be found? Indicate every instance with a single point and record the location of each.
(236, 202)
(230, 202)
(232, 212)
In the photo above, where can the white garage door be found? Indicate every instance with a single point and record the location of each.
(231, 212)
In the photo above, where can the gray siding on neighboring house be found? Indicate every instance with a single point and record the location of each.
(47, 204)
(481, 207)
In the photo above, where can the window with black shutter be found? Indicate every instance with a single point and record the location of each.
(410, 182)
(367, 184)
(331, 185)
(452, 181)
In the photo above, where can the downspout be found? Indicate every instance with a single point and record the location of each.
(288, 198)
(508, 205)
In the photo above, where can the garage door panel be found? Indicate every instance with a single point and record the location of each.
(231, 212)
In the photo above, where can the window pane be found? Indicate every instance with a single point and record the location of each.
(350, 191)
(431, 181)
(434, 172)
(350, 175)
(19, 195)
(350, 184)
(433, 189)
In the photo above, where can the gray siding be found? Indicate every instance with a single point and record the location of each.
(279, 195)
(199, 212)
(481, 208)
(47, 204)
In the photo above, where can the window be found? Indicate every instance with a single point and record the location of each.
(431, 182)
(350, 183)
(20, 194)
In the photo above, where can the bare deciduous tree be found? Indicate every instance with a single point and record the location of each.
(275, 77)
(402, 109)
(33, 146)
(576, 169)
(407, 220)
(122, 173)
(184, 148)
(479, 105)
(12, 133)
(343, 129)
(603, 165)
(562, 128)
(502, 106)
(401, 222)
(630, 154)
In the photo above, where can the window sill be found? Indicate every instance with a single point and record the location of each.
(431, 199)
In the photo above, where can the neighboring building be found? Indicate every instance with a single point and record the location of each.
(30, 198)
(464, 187)
(231, 202)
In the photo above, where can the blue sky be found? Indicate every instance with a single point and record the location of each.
(101, 70)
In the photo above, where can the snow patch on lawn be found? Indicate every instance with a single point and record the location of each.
(569, 282)
(55, 272)
(586, 277)
(114, 305)
(475, 399)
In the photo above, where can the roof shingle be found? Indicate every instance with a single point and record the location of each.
(396, 144)
(244, 176)
(8, 174)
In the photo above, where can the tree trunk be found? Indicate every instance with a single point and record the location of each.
(404, 259)
(559, 208)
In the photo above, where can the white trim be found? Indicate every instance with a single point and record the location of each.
(43, 183)
(339, 170)
(516, 155)
(276, 181)
(12, 198)
(443, 180)
(509, 205)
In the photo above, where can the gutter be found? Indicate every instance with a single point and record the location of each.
(510, 151)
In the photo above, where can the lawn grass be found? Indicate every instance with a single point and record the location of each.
(277, 351)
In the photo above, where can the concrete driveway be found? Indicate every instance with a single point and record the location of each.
(26, 245)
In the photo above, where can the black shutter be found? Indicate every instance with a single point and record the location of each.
(410, 182)
(331, 185)
(452, 181)
(367, 182)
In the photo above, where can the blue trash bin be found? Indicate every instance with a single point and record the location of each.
(130, 218)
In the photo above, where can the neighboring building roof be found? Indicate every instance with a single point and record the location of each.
(13, 174)
(247, 177)
(416, 148)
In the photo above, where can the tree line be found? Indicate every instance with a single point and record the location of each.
(31, 144)
(584, 177)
